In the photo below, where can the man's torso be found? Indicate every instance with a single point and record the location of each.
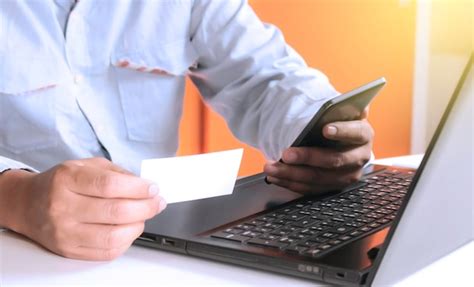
(68, 91)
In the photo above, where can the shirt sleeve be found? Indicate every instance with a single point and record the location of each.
(249, 75)
(7, 164)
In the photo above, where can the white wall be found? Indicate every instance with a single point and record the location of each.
(444, 40)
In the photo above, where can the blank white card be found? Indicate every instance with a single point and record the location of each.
(193, 177)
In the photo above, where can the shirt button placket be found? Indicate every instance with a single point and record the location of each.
(76, 42)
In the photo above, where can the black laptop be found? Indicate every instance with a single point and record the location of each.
(338, 238)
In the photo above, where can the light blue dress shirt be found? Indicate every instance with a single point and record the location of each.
(107, 78)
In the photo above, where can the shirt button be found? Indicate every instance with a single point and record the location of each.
(78, 79)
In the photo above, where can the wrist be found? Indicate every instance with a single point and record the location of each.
(13, 197)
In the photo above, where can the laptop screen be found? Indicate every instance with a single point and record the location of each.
(437, 217)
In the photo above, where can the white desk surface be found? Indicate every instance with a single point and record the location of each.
(22, 262)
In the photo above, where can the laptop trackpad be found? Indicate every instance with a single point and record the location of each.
(185, 219)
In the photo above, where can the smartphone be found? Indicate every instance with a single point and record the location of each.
(346, 107)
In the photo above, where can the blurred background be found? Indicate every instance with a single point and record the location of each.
(420, 47)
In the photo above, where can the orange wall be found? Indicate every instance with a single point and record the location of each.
(351, 41)
(191, 132)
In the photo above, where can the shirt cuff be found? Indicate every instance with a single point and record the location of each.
(7, 164)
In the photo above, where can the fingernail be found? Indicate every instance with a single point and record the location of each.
(163, 203)
(153, 190)
(291, 156)
(271, 179)
(271, 169)
(332, 130)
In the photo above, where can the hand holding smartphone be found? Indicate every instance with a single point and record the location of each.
(346, 107)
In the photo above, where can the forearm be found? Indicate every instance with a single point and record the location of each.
(12, 196)
(250, 76)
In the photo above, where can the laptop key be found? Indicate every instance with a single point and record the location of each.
(338, 220)
(319, 239)
(298, 236)
(392, 207)
(286, 240)
(345, 237)
(266, 218)
(390, 217)
(372, 206)
(276, 214)
(384, 211)
(271, 225)
(355, 233)
(278, 222)
(304, 212)
(256, 222)
(296, 249)
(313, 252)
(230, 236)
(381, 202)
(375, 215)
(249, 233)
(308, 231)
(318, 228)
(234, 230)
(303, 223)
(383, 221)
(364, 219)
(245, 226)
(309, 243)
(325, 246)
(341, 229)
(262, 229)
(374, 225)
(269, 237)
(365, 229)
(329, 223)
(335, 242)
(294, 217)
(266, 243)
(354, 224)
(291, 228)
(328, 213)
(329, 235)
(362, 210)
(315, 209)
(281, 232)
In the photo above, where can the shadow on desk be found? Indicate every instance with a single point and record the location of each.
(24, 262)
(17, 257)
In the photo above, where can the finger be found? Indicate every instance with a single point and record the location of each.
(356, 156)
(342, 178)
(349, 132)
(102, 163)
(314, 176)
(300, 173)
(117, 211)
(94, 254)
(365, 113)
(105, 236)
(109, 184)
(301, 187)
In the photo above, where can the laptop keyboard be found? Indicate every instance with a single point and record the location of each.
(315, 227)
